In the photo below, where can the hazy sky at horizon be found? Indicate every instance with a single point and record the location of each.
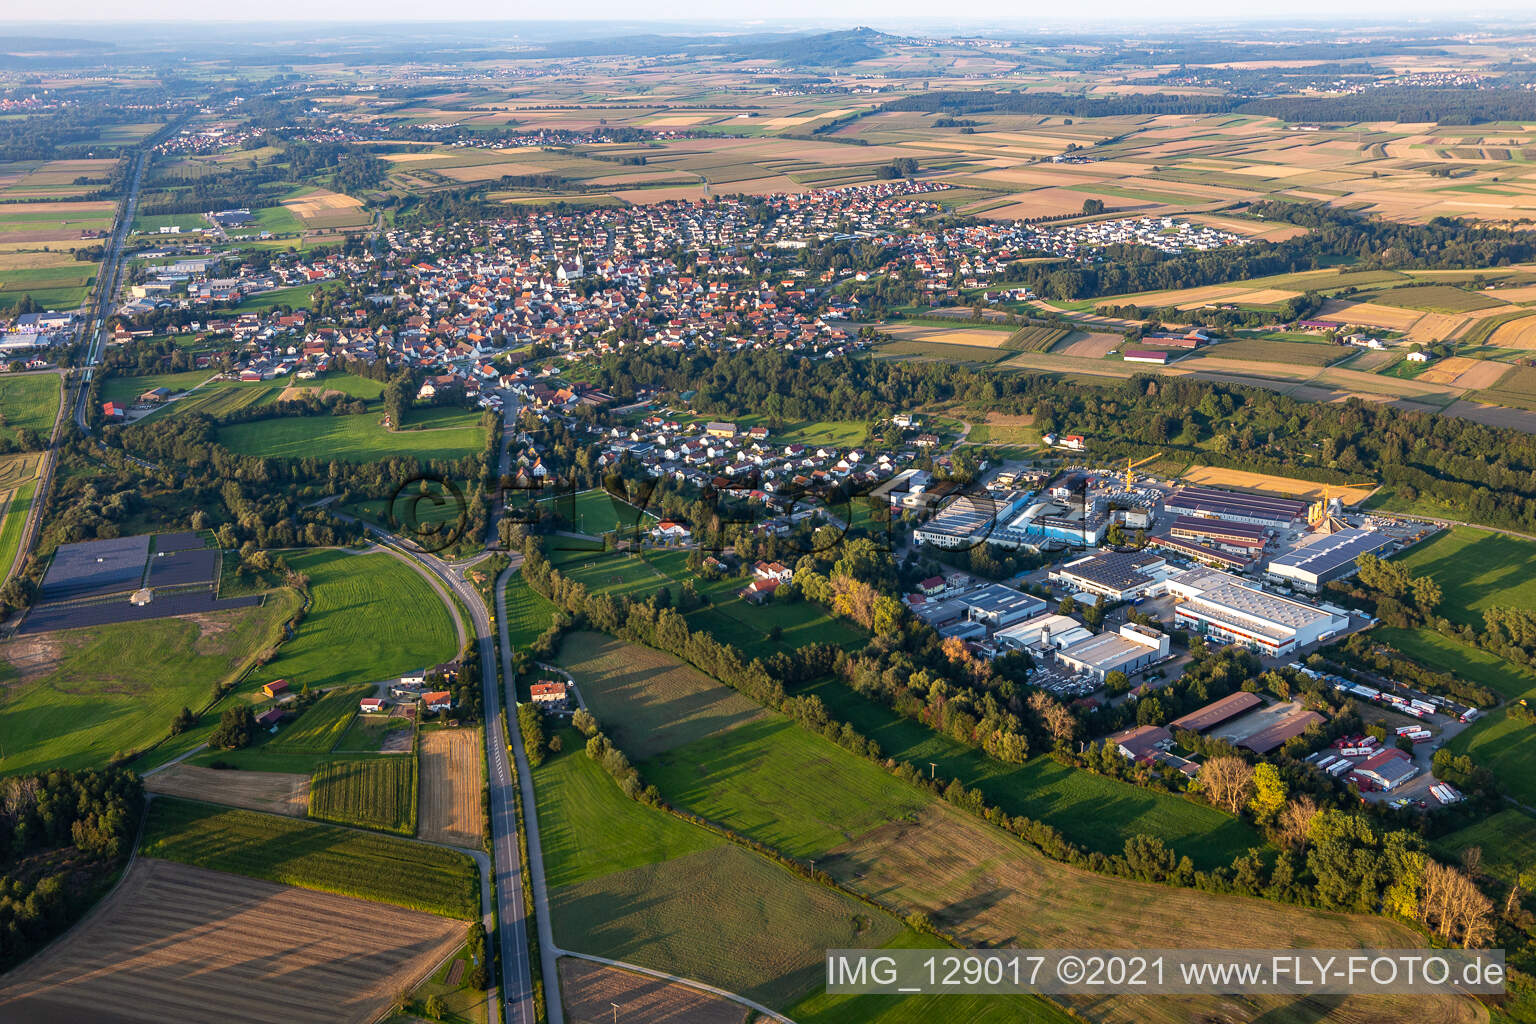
(981, 13)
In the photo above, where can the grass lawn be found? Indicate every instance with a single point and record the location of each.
(366, 733)
(1095, 812)
(1476, 570)
(350, 634)
(14, 521)
(297, 297)
(314, 856)
(127, 389)
(636, 884)
(774, 781)
(352, 438)
(1507, 747)
(1508, 842)
(1447, 655)
(377, 793)
(574, 794)
(529, 613)
(598, 512)
(29, 401)
(113, 689)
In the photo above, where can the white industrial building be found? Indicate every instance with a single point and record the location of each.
(1115, 575)
(1326, 559)
(1227, 608)
(1130, 650)
(1042, 633)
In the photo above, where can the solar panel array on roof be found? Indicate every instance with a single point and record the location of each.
(94, 567)
(1235, 505)
(1340, 549)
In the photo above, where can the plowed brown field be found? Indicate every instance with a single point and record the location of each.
(450, 787)
(590, 991)
(277, 792)
(182, 945)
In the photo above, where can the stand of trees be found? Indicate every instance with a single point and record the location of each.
(63, 836)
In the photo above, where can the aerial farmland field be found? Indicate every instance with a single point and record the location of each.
(184, 945)
(452, 774)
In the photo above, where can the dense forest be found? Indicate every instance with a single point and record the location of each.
(954, 102)
(63, 836)
(1404, 104)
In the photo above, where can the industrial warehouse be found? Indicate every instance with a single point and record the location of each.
(1227, 608)
(1331, 558)
(1238, 507)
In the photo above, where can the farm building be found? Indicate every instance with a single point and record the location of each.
(1217, 712)
(269, 718)
(1330, 558)
(1271, 736)
(276, 688)
(1260, 509)
(1115, 576)
(1139, 355)
(437, 700)
(1142, 743)
(758, 591)
(371, 705)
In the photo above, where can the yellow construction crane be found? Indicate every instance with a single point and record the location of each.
(1323, 509)
(1130, 478)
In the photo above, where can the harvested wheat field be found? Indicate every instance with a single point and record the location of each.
(1213, 476)
(1461, 372)
(977, 336)
(988, 889)
(1519, 333)
(298, 394)
(1089, 345)
(449, 809)
(589, 992)
(183, 945)
(1369, 314)
(275, 792)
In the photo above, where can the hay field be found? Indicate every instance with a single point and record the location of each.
(451, 778)
(589, 992)
(1214, 476)
(183, 945)
(274, 792)
(979, 337)
(982, 885)
(647, 701)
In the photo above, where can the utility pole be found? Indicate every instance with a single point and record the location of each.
(932, 770)
(615, 1012)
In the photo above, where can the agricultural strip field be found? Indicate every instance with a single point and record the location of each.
(341, 639)
(29, 401)
(74, 698)
(320, 725)
(1433, 298)
(377, 793)
(1035, 338)
(1476, 570)
(1516, 388)
(979, 337)
(649, 701)
(942, 351)
(182, 945)
(1261, 350)
(310, 855)
(359, 437)
(451, 778)
(273, 792)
